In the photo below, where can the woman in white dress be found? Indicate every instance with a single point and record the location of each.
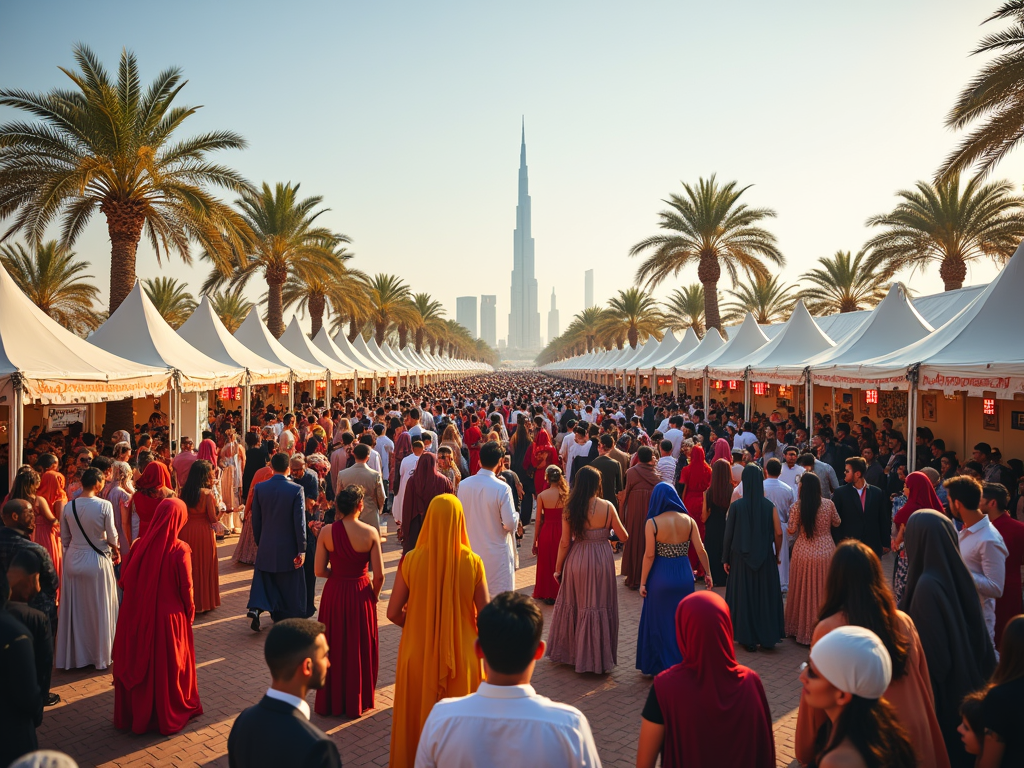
(88, 605)
(232, 464)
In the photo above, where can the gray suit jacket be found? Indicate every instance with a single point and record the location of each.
(372, 483)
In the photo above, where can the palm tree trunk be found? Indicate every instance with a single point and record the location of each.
(403, 335)
(124, 226)
(317, 304)
(634, 337)
(419, 340)
(953, 272)
(709, 272)
(276, 277)
(353, 330)
(379, 329)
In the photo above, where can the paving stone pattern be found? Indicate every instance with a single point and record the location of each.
(232, 676)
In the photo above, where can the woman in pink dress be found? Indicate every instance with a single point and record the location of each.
(47, 532)
(348, 606)
(695, 479)
(813, 516)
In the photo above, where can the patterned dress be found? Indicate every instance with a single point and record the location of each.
(808, 569)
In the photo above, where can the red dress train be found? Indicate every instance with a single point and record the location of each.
(161, 657)
(550, 535)
(349, 610)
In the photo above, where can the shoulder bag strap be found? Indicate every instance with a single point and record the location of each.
(88, 541)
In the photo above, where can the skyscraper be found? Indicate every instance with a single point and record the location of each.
(489, 320)
(524, 315)
(552, 318)
(465, 313)
(588, 289)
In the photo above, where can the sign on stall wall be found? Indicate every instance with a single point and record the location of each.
(62, 417)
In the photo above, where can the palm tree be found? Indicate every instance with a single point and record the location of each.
(766, 299)
(391, 304)
(684, 308)
(53, 281)
(709, 227)
(843, 283)
(993, 100)
(634, 315)
(942, 223)
(589, 322)
(171, 299)
(286, 242)
(108, 146)
(231, 307)
(429, 320)
(321, 292)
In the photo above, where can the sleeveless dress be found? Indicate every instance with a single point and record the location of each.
(668, 582)
(585, 622)
(714, 539)
(201, 539)
(349, 610)
(550, 535)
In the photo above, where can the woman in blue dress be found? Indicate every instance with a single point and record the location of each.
(666, 578)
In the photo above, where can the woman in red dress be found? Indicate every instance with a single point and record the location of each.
(198, 533)
(153, 487)
(473, 439)
(547, 532)
(155, 686)
(540, 455)
(47, 532)
(695, 479)
(348, 606)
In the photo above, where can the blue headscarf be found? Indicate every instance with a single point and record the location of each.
(663, 498)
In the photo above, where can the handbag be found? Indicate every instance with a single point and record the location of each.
(88, 541)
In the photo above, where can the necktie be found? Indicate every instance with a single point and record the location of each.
(863, 498)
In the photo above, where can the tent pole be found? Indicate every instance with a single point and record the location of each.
(706, 392)
(15, 438)
(808, 399)
(747, 410)
(912, 374)
(355, 384)
(291, 392)
(246, 405)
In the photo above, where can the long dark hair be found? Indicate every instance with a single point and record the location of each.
(26, 484)
(720, 493)
(809, 501)
(1011, 653)
(873, 729)
(586, 485)
(198, 475)
(856, 586)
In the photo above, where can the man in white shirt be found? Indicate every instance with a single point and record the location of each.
(981, 545)
(405, 470)
(505, 722)
(666, 466)
(783, 496)
(579, 449)
(791, 471)
(675, 434)
(743, 439)
(491, 520)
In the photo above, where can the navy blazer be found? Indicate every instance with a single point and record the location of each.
(872, 524)
(274, 734)
(278, 524)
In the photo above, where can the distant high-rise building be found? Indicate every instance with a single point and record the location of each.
(552, 318)
(501, 345)
(465, 313)
(489, 320)
(524, 315)
(588, 289)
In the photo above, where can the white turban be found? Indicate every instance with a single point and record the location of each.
(854, 660)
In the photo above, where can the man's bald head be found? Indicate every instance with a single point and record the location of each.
(18, 513)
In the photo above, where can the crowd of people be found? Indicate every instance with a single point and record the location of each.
(109, 550)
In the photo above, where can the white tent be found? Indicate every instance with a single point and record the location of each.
(322, 340)
(730, 361)
(204, 331)
(255, 335)
(779, 361)
(382, 366)
(298, 343)
(710, 344)
(138, 332)
(668, 345)
(364, 362)
(41, 361)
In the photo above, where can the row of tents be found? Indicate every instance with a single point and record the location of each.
(136, 354)
(964, 341)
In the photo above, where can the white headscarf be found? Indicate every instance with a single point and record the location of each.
(854, 660)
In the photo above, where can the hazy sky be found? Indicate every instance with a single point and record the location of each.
(406, 118)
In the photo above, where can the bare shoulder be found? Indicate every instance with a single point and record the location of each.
(826, 625)
(843, 756)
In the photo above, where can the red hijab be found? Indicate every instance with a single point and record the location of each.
(208, 451)
(426, 483)
(698, 473)
(135, 638)
(710, 698)
(920, 495)
(147, 496)
(51, 488)
(722, 451)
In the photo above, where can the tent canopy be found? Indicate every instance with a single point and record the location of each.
(54, 366)
(730, 361)
(255, 335)
(780, 361)
(298, 343)
(137, 331)
(697, 356)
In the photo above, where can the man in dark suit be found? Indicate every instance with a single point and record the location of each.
(277, 732)
(610, 469)
(863, 509)
(279, 528)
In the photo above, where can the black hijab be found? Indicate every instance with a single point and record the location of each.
(752, 521)
(943, 602)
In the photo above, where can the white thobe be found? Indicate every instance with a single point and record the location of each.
(491, 522)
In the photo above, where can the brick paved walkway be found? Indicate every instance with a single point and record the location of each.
(232, 676)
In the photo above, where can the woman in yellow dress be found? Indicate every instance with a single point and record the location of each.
(441, 577)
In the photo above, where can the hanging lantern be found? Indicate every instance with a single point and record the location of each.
(237, 394)
(321, 385)
(733, 384)
(225, 393)
(871, 397)
(988, 406)
(760, 388)
(284, 388)
(716, 384)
